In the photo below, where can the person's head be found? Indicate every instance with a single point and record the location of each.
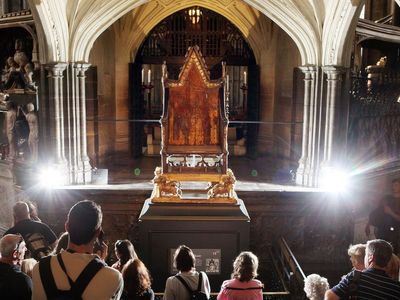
(12, 248)
(30, 107)
(124, 251)
(136, 277)
(27, 266)
(245, 266)
(33, 211)
(84, 222)
(11, 105)
(184, 259)
(393, 267)
(21, 211)
(357, 254)
(315, 287)
(377, 254)
(396, 186)
(62, 243)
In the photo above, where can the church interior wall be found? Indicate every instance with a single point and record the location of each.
(103, 58)
(287, 58)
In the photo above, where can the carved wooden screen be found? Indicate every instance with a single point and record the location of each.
(194, 123)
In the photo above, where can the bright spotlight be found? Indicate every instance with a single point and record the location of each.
(49, 177)
(335, 180)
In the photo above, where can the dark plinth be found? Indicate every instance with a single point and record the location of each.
(165, 226)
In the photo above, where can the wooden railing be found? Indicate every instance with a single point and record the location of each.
(289, 270)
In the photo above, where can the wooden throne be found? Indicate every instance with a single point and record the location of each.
(194, 127)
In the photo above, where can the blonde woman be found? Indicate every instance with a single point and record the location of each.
(243, 285)
(357, 254)
(393, 267)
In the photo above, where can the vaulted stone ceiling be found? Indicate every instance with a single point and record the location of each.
(322, 30)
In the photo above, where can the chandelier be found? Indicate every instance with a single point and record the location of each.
(194, 14)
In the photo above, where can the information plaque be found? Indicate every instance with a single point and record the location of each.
(207, 260)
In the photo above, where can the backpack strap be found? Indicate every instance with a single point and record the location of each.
(184, 283)
(46, 276)
(200, 281)
(80, 284)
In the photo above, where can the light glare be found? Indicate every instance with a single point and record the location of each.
(49, 177)
(334, 180)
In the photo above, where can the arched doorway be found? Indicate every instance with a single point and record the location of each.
(219, 40)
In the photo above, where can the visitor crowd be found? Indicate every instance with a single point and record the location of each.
(34, 264)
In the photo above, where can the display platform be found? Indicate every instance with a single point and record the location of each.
(216, 233)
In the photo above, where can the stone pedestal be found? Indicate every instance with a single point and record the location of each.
(222, 228)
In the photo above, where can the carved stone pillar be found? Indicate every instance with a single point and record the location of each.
(81, 68)
(324, 123)
(80, 168)
(56, 115)
(334, 141)
(304, 173)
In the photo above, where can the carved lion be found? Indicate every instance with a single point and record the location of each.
(224, 188)
(163, 186)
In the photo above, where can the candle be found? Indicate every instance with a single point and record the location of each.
(142, 76)
(149, 76)
(227, 82)
(245, 77)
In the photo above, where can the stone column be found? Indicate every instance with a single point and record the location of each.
(304, 171)
(56, 115)
(332, 121)
(81, 68)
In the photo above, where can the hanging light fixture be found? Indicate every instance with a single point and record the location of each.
(194, 14)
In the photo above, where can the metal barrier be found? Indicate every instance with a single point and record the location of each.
(266, 296)
(289, 270)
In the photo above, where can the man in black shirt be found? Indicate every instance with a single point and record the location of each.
(39, 238)
(13, 283)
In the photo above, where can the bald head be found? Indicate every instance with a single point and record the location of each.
(21, 211)
(8, 244)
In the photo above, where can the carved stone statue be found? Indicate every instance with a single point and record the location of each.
(33, 139)
(11, 117)
(18, 71)
(382, 61)
(20, 57)
(3, 102)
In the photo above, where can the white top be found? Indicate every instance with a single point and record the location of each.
(105, 285)
(175, 290)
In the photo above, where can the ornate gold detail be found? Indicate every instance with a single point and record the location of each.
(194, 59)
(225, 187)
(163, 187)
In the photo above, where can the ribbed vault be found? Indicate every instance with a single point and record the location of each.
(321, 29)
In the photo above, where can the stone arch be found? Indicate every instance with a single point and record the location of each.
(243, 17)
(52, 30)
(68, 31)
(339, 31)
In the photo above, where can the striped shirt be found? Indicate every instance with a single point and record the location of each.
(374, 284)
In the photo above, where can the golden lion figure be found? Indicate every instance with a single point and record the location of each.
(224, 188)
(163, 186)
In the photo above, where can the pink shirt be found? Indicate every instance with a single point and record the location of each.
(241, 291)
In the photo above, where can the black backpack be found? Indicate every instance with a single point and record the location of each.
(196, 294)
(77, 287)
(37, 245)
